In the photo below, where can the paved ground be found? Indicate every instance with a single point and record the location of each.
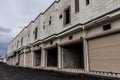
(13, 73)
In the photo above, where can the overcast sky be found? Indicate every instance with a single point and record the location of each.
(15, 15)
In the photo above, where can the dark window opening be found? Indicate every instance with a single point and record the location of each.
(44, 25)
(50, 22)
(21, 41)
(87, 2)
(28, 35)
(107, 27)
(76, 6)
(51, 42)
(70, 37)
(17, 44)
(36, 31)
(60, 17)
(67, 16)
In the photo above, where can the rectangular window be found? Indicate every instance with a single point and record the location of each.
(21, 41)
(87, 2)
(50, 22)
(28, 35)
(60, 16)
(44, 25)
(76, 6)
(17, 44)
(67, 16)
(107, 27)
(36, 31)
(70, 37)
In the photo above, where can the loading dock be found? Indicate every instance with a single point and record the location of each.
(37, 58)
(52, 57)
(104, 53)
(73, 56)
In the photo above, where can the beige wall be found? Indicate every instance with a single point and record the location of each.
(98, 30)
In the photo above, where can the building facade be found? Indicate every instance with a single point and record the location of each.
(78, 36)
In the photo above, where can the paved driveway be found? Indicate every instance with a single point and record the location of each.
(13, 73)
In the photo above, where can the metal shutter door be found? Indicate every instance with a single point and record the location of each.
(104, 53)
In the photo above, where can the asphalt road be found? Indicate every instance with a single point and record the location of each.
(16, 73)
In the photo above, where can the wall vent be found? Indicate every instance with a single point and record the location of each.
(70, 37)
(106, 27)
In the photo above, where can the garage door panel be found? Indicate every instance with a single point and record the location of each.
(107, 52)
(112, 40)
(104, 53)
(102, 66)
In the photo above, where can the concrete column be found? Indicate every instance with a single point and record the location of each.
(86, 60)
(32, 58)
(43, 58)
(24, 58)
(59, 57)
(17, 58)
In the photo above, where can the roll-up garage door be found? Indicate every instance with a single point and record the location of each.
(104, 53)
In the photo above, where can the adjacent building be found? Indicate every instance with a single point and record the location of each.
(1, 59)
(78, 36)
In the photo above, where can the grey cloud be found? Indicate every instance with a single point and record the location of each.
(4, 41)
(5, 30)
(3, 48)
(5, 37)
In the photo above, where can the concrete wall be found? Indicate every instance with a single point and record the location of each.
(98, 30)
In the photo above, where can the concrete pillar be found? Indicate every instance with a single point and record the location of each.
(32, 58)
(86, 60)
(17, 58)
(24, 58)
(43, 58)
(59, 57)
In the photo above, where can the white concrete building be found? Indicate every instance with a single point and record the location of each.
(78, 36)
